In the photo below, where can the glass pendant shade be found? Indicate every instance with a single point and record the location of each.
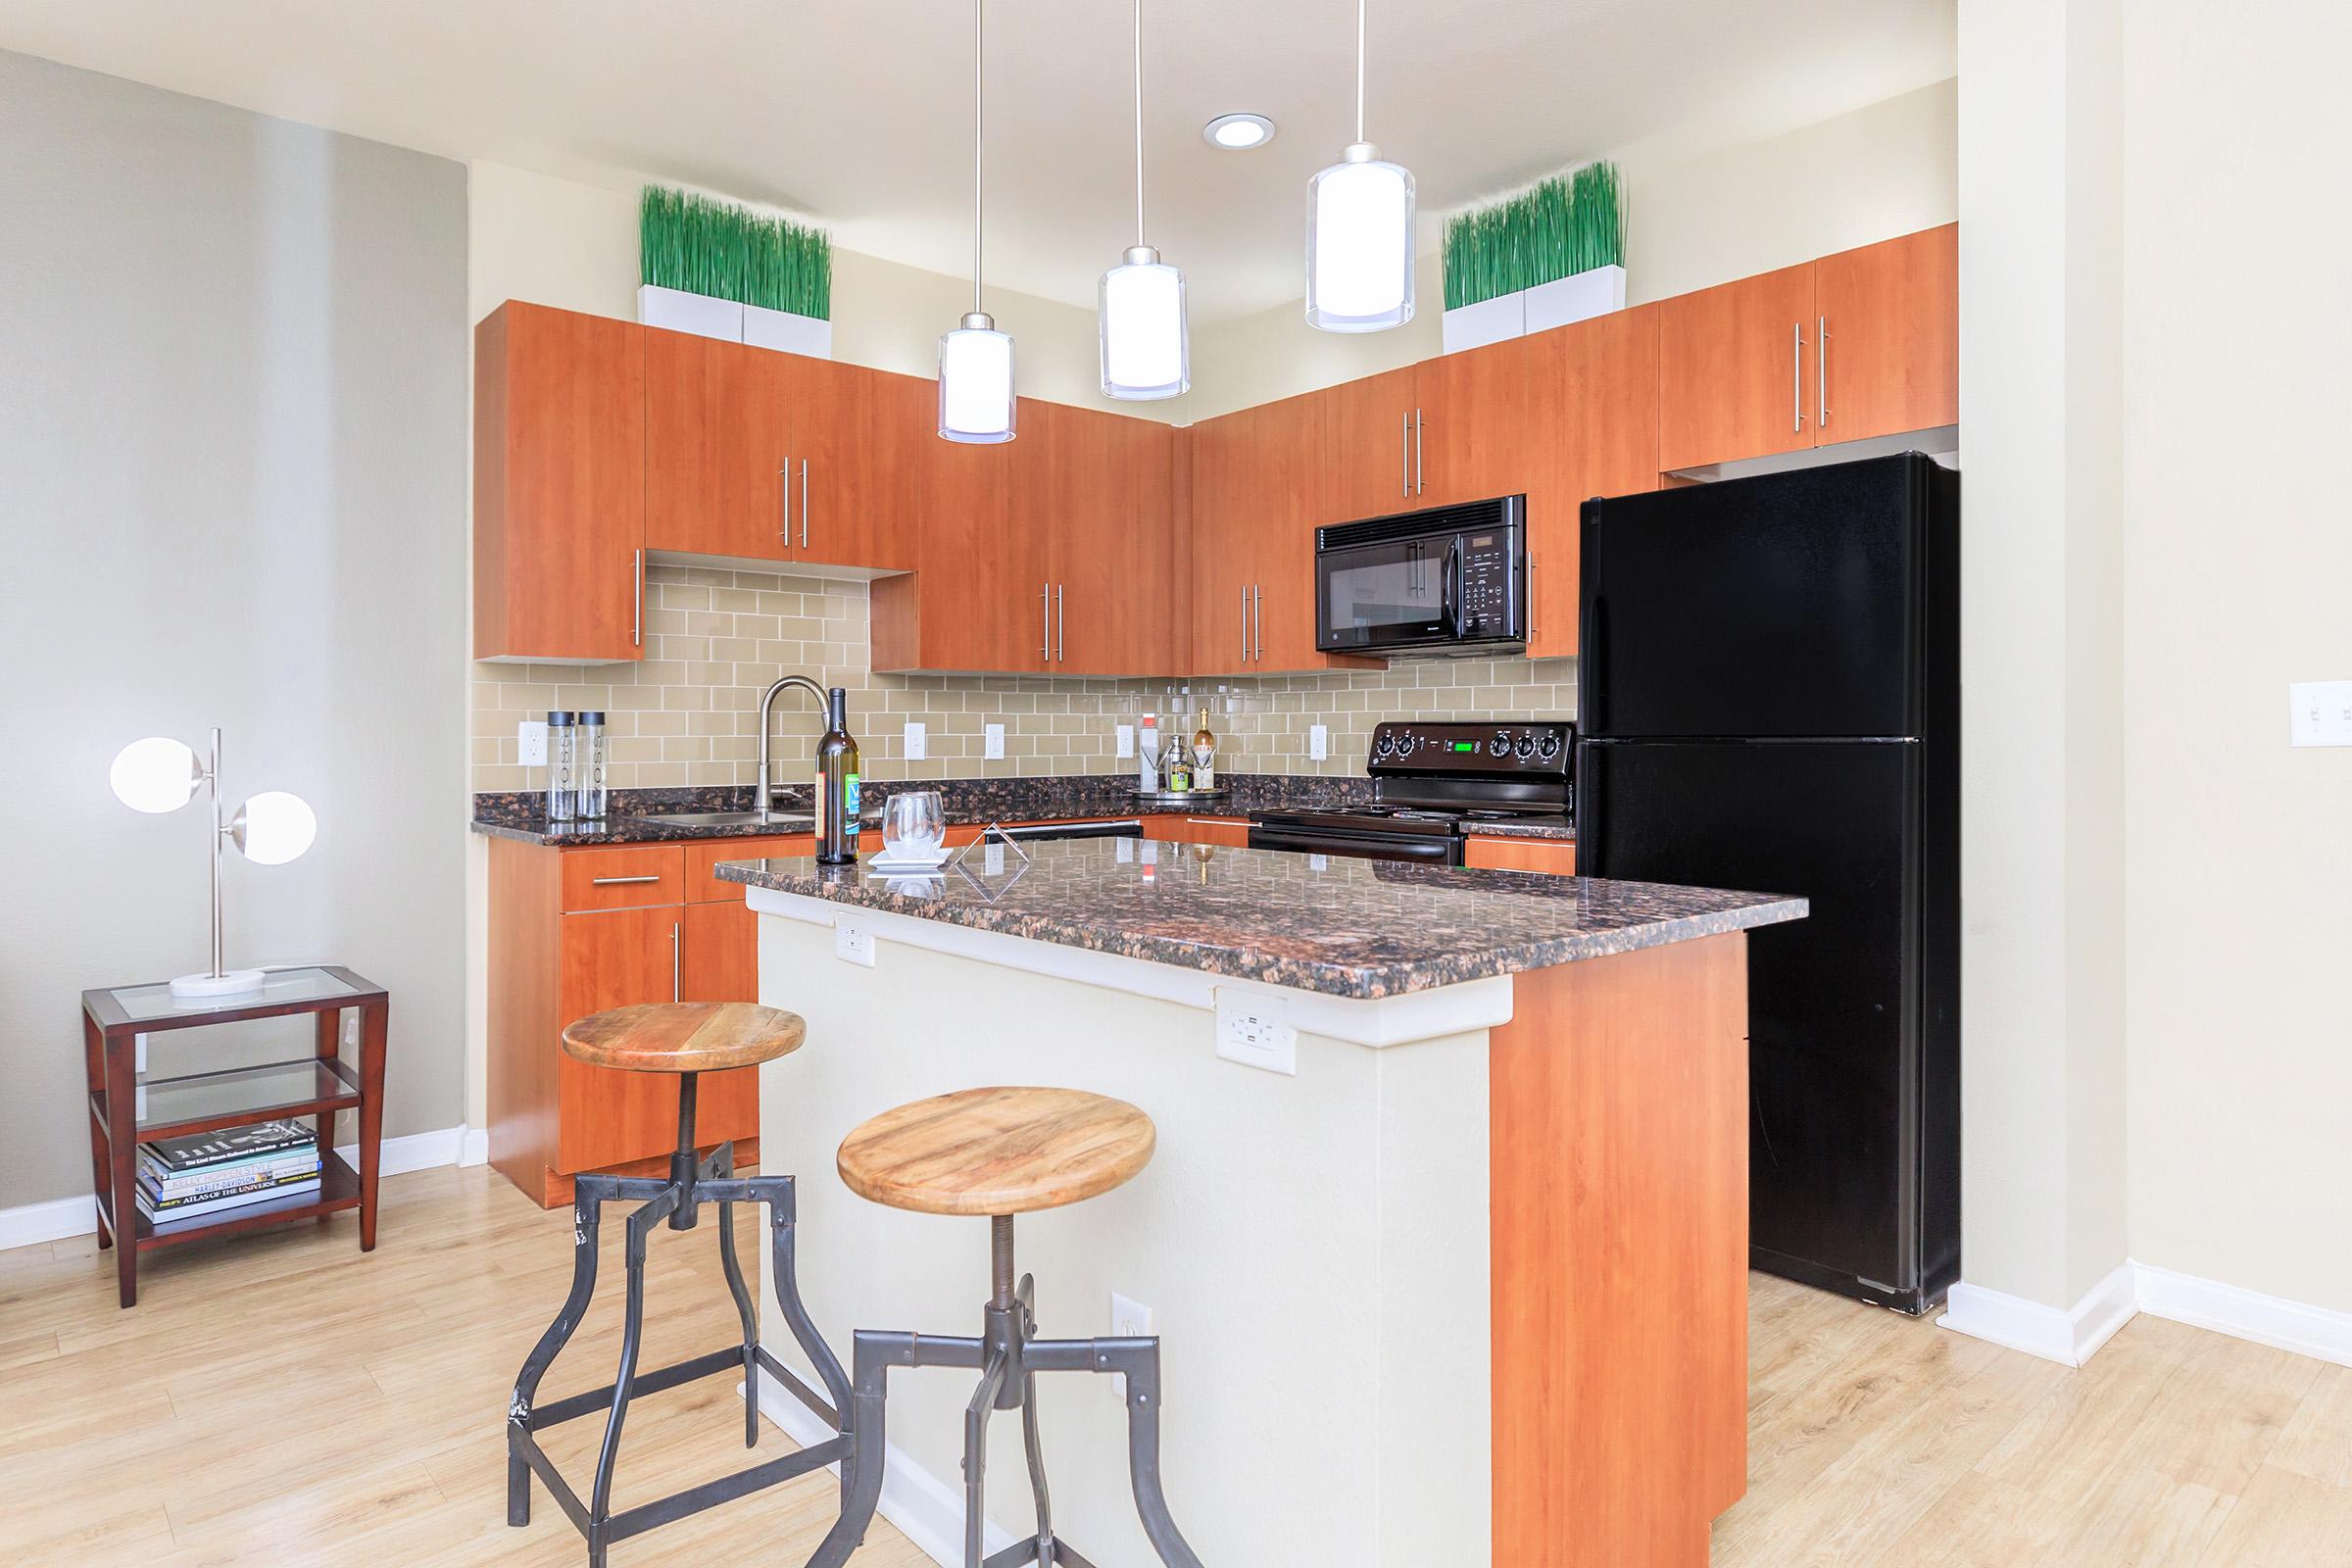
(1360, 244)
(274, 827)
(975, 382)
(1145, 350)
(155, 775)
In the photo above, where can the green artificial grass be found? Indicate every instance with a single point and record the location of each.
(1568, 225)
(706, 246)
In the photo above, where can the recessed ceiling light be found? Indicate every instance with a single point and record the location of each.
(1238, 132)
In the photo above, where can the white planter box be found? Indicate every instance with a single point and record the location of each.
(1557, 303)
(1472, 326)
(782, 329)
(681, 312)
(1575, 299)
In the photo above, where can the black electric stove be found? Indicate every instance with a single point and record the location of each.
(1432, 783)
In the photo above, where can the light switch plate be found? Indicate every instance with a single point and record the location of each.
(993, 746)
(918, 742)
(1318, 742)
(2320, 712)
(1126, 740)
(531, 740)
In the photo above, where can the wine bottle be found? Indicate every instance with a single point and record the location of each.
(1204, 755)
(837, 784)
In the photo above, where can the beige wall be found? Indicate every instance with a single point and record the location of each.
(2237, 562)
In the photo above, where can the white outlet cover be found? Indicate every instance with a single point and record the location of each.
(853, 944)
(1126, 740)
(1254, 1029)
(531, 740)
(918, 744)
(2320, 712)
(993, 746)
(1130, 1319)
(1318, 742)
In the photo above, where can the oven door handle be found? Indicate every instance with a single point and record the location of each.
(1362, 846)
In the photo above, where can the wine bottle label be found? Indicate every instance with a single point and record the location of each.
(849, 812)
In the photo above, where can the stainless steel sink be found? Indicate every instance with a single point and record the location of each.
(781, 821)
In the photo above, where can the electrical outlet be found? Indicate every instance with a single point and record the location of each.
(1130, 1319)
(531, 739)
(992, 743)
(2321, 712)
(1318, 742)
(1253, 1028)
(853, 944)
(919, 745)
(1126, 740)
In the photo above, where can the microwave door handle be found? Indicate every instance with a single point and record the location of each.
(1448, 610)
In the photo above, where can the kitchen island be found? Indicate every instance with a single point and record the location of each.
(1445, 1236)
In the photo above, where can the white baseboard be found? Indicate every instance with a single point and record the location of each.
(2069, 1337)
(2313, 1331)
(927, 1510)
(32, 1224)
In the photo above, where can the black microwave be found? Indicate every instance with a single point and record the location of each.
(1446, 580)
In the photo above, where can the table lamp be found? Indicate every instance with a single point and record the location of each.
(159, 775)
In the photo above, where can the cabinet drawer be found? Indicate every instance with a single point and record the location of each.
(702, 885)
(623, 877)
(1557, 856)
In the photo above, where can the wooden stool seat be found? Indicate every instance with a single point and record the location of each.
(684, 1036)
(997, 1152)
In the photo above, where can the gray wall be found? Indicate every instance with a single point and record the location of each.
(232, 491)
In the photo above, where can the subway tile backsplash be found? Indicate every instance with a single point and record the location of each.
(714, 639)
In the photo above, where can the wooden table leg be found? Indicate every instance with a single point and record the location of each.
(122, 1121)
(328, 1038)
(93, 1062)
(373, 1021)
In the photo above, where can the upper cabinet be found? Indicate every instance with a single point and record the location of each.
(1372, 447)
(558, 487)
(1864, 343)
(1257, 490)
(754, 455)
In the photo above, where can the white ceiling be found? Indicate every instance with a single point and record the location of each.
(859, 113)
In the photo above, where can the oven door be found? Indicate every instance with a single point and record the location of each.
(1427, 849)
(1397, 593)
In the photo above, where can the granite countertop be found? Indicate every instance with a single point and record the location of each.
(521, 814)
(1533, 827)
(1341, 926)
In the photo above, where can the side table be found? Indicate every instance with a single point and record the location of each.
(317, 1084)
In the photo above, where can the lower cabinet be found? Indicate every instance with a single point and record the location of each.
(1227, 832)
(1557, 856)
(580, 931)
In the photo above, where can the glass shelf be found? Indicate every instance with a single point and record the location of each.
(153, 1004)
(243, 1094)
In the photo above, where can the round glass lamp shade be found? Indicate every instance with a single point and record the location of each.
(975, 382)
(274, 827)
(1145, 351)
(1360, 244)
(156, 775)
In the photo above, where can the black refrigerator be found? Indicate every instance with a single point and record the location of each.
(1769, 700)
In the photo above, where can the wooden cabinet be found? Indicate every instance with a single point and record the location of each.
(1373, 452)
(974, 603)
(1554, 857)
(558, 487)
(1864, 343)
(1225, 832)
(578, 931)
(1100, 488)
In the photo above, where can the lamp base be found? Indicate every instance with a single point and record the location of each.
(228, 983)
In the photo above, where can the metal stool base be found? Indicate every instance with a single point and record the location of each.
(676, 1201)
(1008, 1356)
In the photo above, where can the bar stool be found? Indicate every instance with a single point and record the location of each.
(1000, 1152)
(686, 1038)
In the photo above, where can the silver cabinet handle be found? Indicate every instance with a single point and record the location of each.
(784, 502)
(619, 881)
(804, 503)
(637, 602)
(1405, 454)
(1045, 611)
(1796, 379)
(1245, 623)
(674, 961)
(1420, 473)
(1257, 644)
(1821, 373)
(1062, 648)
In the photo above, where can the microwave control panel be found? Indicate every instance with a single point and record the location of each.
(1489, 593)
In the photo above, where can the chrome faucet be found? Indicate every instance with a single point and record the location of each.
(767, 706)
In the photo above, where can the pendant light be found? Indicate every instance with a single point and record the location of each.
(975, 360)
(1146, 350)
(1359, 233)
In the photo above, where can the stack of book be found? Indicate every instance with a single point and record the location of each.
(209, 1173)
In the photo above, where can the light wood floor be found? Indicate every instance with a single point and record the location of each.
(282, 1399)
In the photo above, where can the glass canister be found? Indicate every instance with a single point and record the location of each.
(589, 776)
(562, 767)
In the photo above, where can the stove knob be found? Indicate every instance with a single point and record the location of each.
(1500, 744)
(1385, 746)
(1405, 744)
(1549, 745)
(1525, 747)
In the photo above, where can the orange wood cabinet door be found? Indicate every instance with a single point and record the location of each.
(559, 487)
(859, 439)
(614, 958)
(1887, 326)
(1736, 371)
(718, 470)
(1101, 487)
(973, 603)
(1226, 832)
(1233, 468)
(1371, 465)
(1554, 857)
(722, 963)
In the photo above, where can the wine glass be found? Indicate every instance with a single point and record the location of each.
(914, 825)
